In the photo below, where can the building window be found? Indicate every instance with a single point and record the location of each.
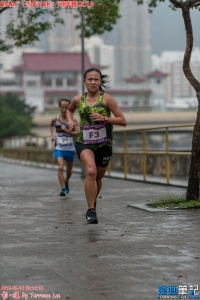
(7, 83)
(59, 82)
(31, 83)
(70, 82)
(50, 101)
(158, 81)
(48, 82)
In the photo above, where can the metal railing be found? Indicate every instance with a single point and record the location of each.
(29, 150)
(166, 151)
(148, 142)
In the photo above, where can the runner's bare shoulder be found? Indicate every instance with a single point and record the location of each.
(76, 99)
(53, 121)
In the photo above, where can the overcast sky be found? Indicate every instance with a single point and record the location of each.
(168, 30)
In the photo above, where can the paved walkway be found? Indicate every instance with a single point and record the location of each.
(47, 249)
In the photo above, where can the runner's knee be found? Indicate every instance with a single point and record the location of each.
(60, 168)
(91, 172)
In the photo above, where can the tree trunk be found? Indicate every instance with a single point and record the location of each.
(193, 181)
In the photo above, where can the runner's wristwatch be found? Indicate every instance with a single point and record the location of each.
(106, 118)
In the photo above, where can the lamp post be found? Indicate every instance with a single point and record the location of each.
(82, 51)
(82, 71)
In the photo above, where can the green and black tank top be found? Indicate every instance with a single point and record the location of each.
(85, 111)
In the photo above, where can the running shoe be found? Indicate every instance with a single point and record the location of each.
(91, 217)
(67, 189)
(63, 192)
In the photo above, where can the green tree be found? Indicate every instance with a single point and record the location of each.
(100, 18)
(31, 22)
(15, 116)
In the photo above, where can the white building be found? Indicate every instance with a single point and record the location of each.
(150, 91)
(179, 92)
(8, 79)
(99, 54)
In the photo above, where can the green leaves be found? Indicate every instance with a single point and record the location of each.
(23, 34)
(31, 22)
(4, 47)
(15, 116)
(100, 18)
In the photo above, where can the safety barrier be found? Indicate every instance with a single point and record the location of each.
(161, 152)
(166, 145)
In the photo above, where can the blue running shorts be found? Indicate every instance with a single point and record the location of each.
(65, 154)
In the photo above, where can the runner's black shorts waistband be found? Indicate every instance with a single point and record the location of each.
(102, 154)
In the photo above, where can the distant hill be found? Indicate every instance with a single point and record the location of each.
(168, 30)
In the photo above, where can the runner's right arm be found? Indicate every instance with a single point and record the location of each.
(73, 132)
(70, 111)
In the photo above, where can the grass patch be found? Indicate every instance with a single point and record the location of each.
(176, 202)
(51, 112)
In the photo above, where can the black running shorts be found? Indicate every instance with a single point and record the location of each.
(102, 154)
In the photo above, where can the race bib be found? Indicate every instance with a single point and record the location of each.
(64, 140)
(94, 134)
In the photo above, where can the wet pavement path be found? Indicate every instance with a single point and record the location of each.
(45, 241)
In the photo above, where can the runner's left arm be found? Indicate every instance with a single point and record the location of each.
(112, 106)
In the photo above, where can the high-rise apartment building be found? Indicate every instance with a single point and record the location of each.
(131, 39)
(178, 88)
(62, 37)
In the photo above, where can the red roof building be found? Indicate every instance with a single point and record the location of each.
(134, 79)
(45, 77)
(157, 74)
(152, 85)
(122, 92)
(53, 62)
